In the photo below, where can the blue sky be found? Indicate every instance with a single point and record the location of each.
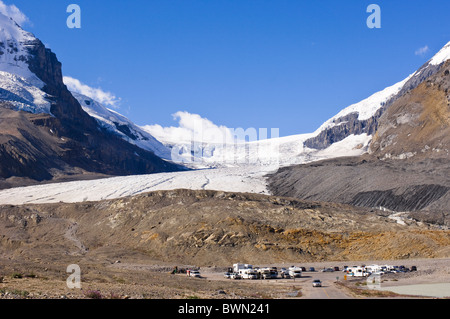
(286, 64)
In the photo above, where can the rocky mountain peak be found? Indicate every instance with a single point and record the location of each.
(363, 117)
(54, 137)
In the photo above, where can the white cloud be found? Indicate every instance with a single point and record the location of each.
(13, 12)
(191, 127)
(422, 51)
(97, 94)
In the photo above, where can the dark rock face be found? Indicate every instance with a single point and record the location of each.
(412, 198)
(44, 63)
(348, 125)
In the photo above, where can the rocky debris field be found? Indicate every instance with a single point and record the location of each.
(419, 188)
(210, 227)
(128, 246)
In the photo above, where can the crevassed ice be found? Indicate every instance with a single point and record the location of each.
(23, 94)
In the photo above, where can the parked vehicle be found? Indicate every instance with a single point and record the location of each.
(374, 269)
(248, 273)
(357, 272)
(284, 273)
(317, 283)
(295, 272)
(227, 275)
(413, 268)
(193, 273)
(237, 267)
(264, 273)
(327, 270)
(235, 276)
(273, 272)
(312, 269)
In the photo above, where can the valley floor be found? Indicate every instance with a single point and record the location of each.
(152, 280)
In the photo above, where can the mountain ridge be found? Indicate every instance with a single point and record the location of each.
(406, 168)
(76, 142)
(362, 117)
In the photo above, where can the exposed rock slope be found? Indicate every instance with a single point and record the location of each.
(418, 123)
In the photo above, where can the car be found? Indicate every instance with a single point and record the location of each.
(327, 270)
(413, 268)
(316, 283)
(336, 268)
(303, 268)
(227, 275)
(312, 269)
(285, 275)
(194, 273)
(235, 276)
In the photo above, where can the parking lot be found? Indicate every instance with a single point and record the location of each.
(432, 278)
(328, 289)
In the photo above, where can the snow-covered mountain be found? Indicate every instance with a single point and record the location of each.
(22, 94)
(23, 89)
(348, 133)
(77, 131)
(45, 134)
(122, 126)
(14, 47)
(18, 85)
(362, 117)
(272, 152)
